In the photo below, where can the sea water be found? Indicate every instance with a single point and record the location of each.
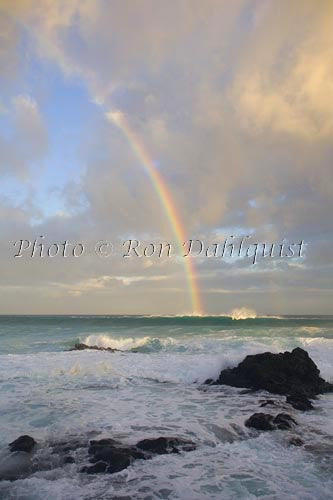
(154, 387)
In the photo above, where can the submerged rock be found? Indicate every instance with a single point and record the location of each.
(284, 421)
(267, 422)
(110, 459)
(23, 443)
(116, 456)
(299, 402)
(296, 441)
(95, 446)
(162, 445)
(105, 455)
(16, 465)
(268, 402)
(66, 447)
(109, 456)
(260, 421)
(283, 373)
(82, 347)
(95, 469)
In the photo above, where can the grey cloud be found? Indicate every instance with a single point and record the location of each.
(28, 142)
(234, 102)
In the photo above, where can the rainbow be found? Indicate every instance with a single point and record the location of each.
(166, 200)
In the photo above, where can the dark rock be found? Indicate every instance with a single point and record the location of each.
(299, 402)
(96, 468)
(116, 456)
(105, 455)
(15, 466)
(63, 447)
(268, 402)
(120, 462)
(103, 442)
(163, 445)
(122, 497)
(96, 446)
(267, 422)
(283, 373)
(82, 347)
(112, 454)
(296, 441)
(284, 421)
(23, 443)
(260, 421)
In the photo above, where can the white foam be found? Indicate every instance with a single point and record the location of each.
(243, 313)
(137, 395)
(123, 344)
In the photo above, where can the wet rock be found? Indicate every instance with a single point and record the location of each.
(23, 443)
(260, 421)
(112, 454)
(320, 448)
(163, 445)
(105, 455)
(283, 373)
(284, 421)
(97, 468)
(267, 422)
(299, 402)
(120, 462)
(96, 446)
(268, 402)
(248, 391)
(16, 465)
(63, 447)
(296, 441)
(82, 347)
(116, 456)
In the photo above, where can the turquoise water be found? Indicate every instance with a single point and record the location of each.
(52, 393)
(20, 334)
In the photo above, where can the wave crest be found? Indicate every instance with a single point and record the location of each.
(127, 343)
(243, 313)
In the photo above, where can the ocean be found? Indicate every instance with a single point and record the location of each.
(154, 387)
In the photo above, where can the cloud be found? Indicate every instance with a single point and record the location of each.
(27, 143)
(31, 132)
(101, 283)
(291, 91)
(9, 38)
(233, 101)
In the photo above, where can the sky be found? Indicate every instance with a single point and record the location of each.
(229, 119)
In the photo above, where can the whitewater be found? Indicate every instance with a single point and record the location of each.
(153, 386)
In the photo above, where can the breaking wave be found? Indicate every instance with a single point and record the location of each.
(243, 313)
(128, 343)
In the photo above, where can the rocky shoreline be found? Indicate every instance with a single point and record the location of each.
(83, 347)
(292, 374)
(91, 456)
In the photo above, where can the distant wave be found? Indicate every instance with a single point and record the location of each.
(236, 314)
(243, 313)
(127, 343)
(311, 329)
